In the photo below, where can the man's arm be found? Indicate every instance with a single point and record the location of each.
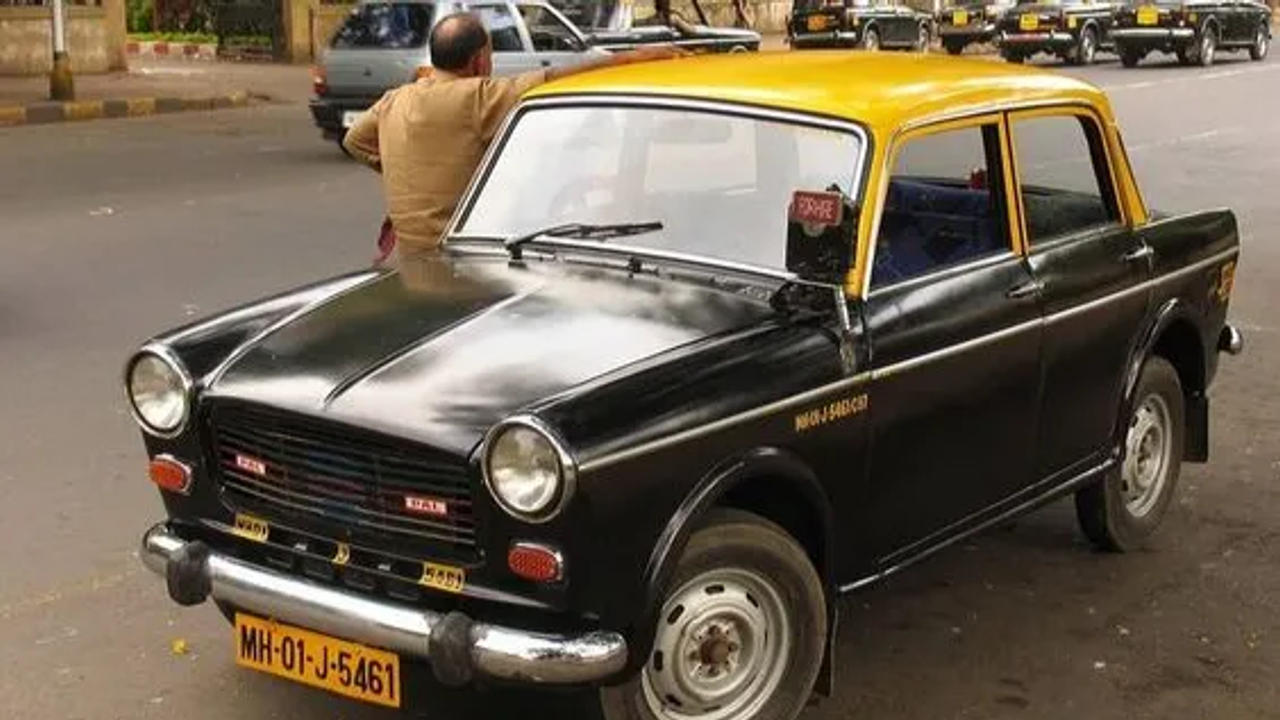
(361, 139)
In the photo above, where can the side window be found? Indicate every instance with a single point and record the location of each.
(1062, 168)
(548, 32)
(945, 205)
(502, 27)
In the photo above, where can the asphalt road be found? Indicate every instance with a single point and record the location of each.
(115, 229)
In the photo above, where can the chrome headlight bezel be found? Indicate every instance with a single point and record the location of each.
(567, 469)
(185, 385)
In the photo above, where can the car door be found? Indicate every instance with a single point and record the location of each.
(1089, 266)
(511, 52)
(953, 321)
(554, 40)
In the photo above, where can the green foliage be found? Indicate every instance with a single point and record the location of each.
(247, 41)
(174, 37)
(140, 15)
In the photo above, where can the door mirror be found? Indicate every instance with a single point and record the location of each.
(820, 232)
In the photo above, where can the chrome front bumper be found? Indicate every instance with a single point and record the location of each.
(453, 644)
(832, 37)
(1153, 33)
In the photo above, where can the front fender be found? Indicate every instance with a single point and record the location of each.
(777, 464)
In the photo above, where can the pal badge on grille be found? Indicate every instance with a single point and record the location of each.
(251, 464)
(426, 505)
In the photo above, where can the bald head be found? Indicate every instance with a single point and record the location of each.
(457, 41)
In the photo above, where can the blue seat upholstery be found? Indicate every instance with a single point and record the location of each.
(927, 226)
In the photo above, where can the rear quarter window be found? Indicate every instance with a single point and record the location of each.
(388, 26)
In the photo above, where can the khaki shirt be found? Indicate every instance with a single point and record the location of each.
(428, 138)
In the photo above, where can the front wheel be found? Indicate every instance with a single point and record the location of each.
(871, 39)
(922, 38)
(741, 631)
(1013, 57)
(1261, 42)
(1207, 48)
(952, 47)
(1121, 512)
(1086, 48)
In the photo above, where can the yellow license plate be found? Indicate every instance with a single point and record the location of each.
(1029, 22)
(816, 23)
(960, 18)
(1148, 15)
(313, 659)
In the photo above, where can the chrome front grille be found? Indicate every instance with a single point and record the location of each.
(344, 483)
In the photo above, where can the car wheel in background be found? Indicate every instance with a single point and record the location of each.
(952, 47)
(871, 39)
(1086, 48)
(1261, 42)
(1120, 512)
(1207, 47)
(740, 634)
(1013, 56)
(923, 38)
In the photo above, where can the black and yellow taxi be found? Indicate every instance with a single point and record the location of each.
(969, 22)
(1194, 30)
(866, 24)
(1073, 30)
(709, 344)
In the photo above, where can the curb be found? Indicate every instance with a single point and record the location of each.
(163, 49)
(52, 112)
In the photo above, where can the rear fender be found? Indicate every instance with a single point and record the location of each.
(1172, 311)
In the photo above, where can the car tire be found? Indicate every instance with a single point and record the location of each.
(1129, 57)
(953, 48)
(739, 577)
(871, 39)
(342, 147)
(1261, 42)
(1207, 49)
(923, 38)
(1014, 57)
(1120, 512)
(1086, 48)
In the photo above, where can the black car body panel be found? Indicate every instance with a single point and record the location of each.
(1055, 28)
(816, 24)
(968, 23)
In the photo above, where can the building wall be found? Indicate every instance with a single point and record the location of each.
(95, 39)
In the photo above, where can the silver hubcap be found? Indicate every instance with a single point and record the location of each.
(872, 41)
(1262, 42)
(1148, 455)
(722, 645)
(1087, 51)
(1207, 47)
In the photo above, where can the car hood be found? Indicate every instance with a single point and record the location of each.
(440, 350)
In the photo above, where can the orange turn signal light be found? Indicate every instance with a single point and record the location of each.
(170, 474)
(535, 562)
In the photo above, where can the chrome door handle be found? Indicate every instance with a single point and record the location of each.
(1026, 289)
(1141, 253)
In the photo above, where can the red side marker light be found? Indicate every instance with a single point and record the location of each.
(170, 474)
(535, 562)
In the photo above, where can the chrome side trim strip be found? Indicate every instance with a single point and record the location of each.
(946, 352)
(608, 459)
(603, 461)
(1015, 511)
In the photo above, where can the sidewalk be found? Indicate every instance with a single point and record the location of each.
(154, 85)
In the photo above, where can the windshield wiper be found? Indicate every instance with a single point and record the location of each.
(580, 231)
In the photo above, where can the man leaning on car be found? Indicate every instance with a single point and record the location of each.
(427, 137)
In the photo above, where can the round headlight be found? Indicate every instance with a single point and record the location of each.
(159, 392)
(525, 470)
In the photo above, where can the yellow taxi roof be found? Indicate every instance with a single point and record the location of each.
(882, 90)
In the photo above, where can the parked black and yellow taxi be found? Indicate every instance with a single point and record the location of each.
(968, 22)
(866, 24)
(1073, 30)
(1196, 31)
(710, 343)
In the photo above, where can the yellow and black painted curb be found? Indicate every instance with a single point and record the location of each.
(52, 112)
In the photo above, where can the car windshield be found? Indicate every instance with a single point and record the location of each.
(385, 25)
(720, 184)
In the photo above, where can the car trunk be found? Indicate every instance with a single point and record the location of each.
(363, 72)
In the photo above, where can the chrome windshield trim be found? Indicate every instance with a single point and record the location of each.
(673, 102)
